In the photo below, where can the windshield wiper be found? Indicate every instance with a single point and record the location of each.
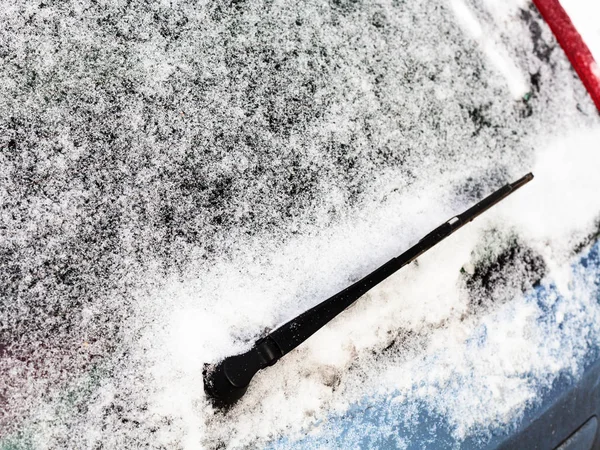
(227, 381)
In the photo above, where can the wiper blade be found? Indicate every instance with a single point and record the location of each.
(227, 381)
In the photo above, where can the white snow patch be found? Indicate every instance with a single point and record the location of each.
(492, 47)
(584, 14)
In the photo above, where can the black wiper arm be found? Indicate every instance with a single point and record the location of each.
(227, 381)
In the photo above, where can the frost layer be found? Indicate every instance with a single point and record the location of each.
(178, 178)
